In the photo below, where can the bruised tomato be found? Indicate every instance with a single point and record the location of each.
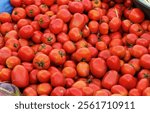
(20, 76)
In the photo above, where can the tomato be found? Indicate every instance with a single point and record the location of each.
(23, 42)
(35, 25)
(12, 61)
(20, 76)
(98, 67)
(44, 89)
(33, 76)
(62, 37)
(13, 44)
(11, 34)
(56, 25)
(58, 91)
(110, 79)
(28, 66)
(22, 22)
(118, 51)
(118, 89)
(142, 84)
(128, 81)
(87, 91)
(5, 75)
(41, 61)
(101, 46)
(75, 34)
(44, 48)
(135, 63)
(48, 2)
(83, 69)
(94, 14)
(43, 8)
(32, 10)
(114, 24)
(104, 54)
(66, 18)
(94, 51)
(69, 47)
(36, 38)
(87, 5)
(144, 61)
(69, 82)
(69, 72)
(96, 3)
(146, 92)
(113, 12)
(43, 76)
(128, 69)
(126, 25)
(57, 45)
(83, 54)
(93, 26)
(18, 13)
(62, 2)
(77, 20)
(44, 21)
(104, 28)
(131, 39)
(57, 56)
(29, 91)
(5, 53)
(57, 79)
(16, 3)
(76, 7)
(73, 92)
(134, 92)
(48, 38)
(70, 63)
(5, 17)
(26, 53)
(136, 29)
(26, 32)
(81, 44)
(145, 24)
(142, 42)
(79, 84)
(136, 15)
(6, 27)
(144, 73)
(138, 50)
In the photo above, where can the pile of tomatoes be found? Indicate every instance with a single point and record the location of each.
(75, 48)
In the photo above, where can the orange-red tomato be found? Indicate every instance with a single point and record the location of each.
(58, 91)
(44, 88)
(145, 61)
(142, 84)
(43, 76)
(69, 72)
(5, 75)
(134, 92)
(12, 61)
(29, 91)
(118, 89)
(83, 69)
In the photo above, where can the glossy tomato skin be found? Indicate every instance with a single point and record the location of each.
(48, 38)
(136, 15)
(144, 73)
(16, 3)
(18, 13)
(110, 78)
(44, 89)
(41, 61)
(43, 76)
(20, 76)
(57, 56)
(142, 84)
(114, 24)
(134, 92)
(69, 72)
(48, 2)
(32, 10)
(29, 91)
(6, 27)
(5, 17)
(118, 89)
(127, 69)
(5, 75)
(83, 69)
(33, 76)
(146, 92)
(98, 67)
(12, 61)
(145, 61)
(58, 91)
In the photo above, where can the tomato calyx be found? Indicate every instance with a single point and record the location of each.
(15, 45)
(61, 53)
(15, 13)
(49, 39)
(40, 64)
(31, 11)
(146, 75)
(40, 21)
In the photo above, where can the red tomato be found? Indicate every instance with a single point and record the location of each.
(20, 76)
(94, 14)
(135, 63)
(69, 72)
(11, 34)
(5, 17)
(87, 5)
(48, 38)
(22, 22)
(57, 79)
(127, 69)
(104, 28)
(134, 92)
(33, 76)
(98, 67)
(146, 92)
(44, 89)
(48, 2)
(142, 84)
(62, 2)
(26, 53)
(13, 44)
(6, 27)
(118, 89)
(136, 29)
(79, 84)
(16, 3)
(93, 26)
(69, 82)
(12, 61)
(58, 91)
(114, 24)
(101, 46)
(41, 61)
(126, 25)
(43, 76)
(29, 91)
(5, 75)
(18, 13)
(83, 69)
(74, 92)
(32, 10)
(69, 47)
(144, 73)
(136, 15)
(145, 61)
(110, 79)
(76, 7)
(44, 8)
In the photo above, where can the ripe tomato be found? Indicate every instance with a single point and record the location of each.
(62, 2)
(104, 28)
(136, 29)
(41, 61)
(5, 75)
(76, 7)
(142, 84)
(144, 73)
(146, 92)
(136, 15)
(77, 20)
(79, 84)
(110, 79)
(32, 10)
(69, 72)
(22, 22)
(114, 24)
(29, 91)
(69, 82)
(56, 26)
(98, 67)
(13, 44)
(43, 76)
(5, 17)
(57, 79)
(20, 76)
(75, 34)
(62, 37)
(33, 76)
(94, 14)
(6, 27)
(145, 61)
(87, 5)
(83, 54)
(73, 92)
(134, 92)
(11, 34)
(48, 38)
(48, 2)
(58, 91)
(87, 91)
(101, 46)
(12, 61)
(69, 47)
(83, 69)
(18, 13)
(128, 81)
(57, 56)
(44, 89)
(93, 26)
(126, 25)
(118, 89)
(128, 69)
(135, 63)
(26, 53)
(16, 3)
